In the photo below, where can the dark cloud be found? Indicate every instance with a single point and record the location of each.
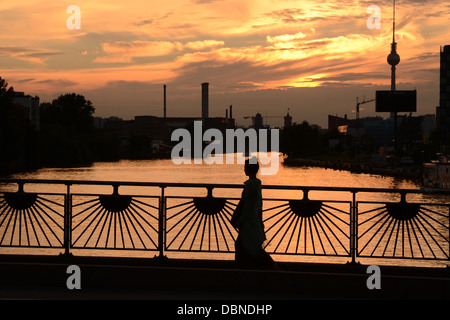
(103, 37)
(439, 13)
(181, 26)
(144, 22)
(27, 52)
(220, 73)
(14, 50)
(352, 77)
(153, 20)
(426, 56)
(287, 15)
(57, 82)
(43, 54)
(24, 80)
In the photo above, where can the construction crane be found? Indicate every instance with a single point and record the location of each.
(357, 119)
(360, 103)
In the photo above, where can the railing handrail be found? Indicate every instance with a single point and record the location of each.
(222, 186)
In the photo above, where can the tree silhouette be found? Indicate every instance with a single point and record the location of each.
(6, 93)
(17, 138)
(67, 127)
(300, 140)
(71, 111)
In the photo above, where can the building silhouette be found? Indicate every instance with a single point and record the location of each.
(156, 131)
(287, 120)
(31, 108)
(338, 123)
(443, 110)
(205, 100)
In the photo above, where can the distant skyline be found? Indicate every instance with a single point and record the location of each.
(311, 57)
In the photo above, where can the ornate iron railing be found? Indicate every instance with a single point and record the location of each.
(169, 219)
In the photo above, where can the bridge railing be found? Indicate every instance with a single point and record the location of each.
(185, 217)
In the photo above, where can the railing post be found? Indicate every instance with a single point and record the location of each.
(115, 189)
(162, 223)
(67, 222)
(305, 194)
(210, 192)
(20, 189)
(353, 228)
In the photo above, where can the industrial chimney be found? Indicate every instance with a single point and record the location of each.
(205, 103)
(164, 101)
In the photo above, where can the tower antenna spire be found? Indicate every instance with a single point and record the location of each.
(393, 25)
(393, 58)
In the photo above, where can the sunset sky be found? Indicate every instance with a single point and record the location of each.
(313, 57)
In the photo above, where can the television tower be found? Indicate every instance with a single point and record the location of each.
(393, 59)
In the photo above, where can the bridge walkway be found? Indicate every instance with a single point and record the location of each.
(44, 277)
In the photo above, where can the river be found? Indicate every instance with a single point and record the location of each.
(164, 170)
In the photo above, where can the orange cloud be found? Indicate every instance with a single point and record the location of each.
(118, 52)
(126, 51)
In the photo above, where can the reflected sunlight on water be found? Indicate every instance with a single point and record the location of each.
(164, 170)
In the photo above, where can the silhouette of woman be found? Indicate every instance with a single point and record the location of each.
(249, 243)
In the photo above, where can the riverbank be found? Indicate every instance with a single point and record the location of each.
(413, 173)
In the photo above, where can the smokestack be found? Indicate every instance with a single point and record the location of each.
(164, 101)
(231, 112)
(205, 102)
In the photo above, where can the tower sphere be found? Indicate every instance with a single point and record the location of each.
(393, 59)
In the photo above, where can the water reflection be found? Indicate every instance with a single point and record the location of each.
(165, 171)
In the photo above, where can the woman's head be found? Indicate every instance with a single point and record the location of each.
(251, 167)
